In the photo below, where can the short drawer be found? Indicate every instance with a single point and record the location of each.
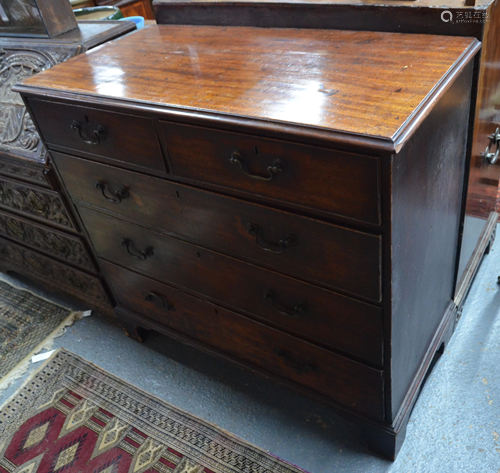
(320, 370)
(305, 248)
(122, 139)
(330, 181)
(319, 315)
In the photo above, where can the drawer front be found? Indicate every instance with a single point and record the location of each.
(48, 271)
(296, 307)
(34, 174)
(125, 140)
(330, 181)
(318, 252)
(34, 202)
(335, 376)
(52, 242)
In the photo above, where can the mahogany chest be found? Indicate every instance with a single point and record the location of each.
(288, 199)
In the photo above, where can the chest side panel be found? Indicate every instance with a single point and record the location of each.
(426, 203)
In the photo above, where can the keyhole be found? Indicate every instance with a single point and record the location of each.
(87, 119)
(256, 150)
(177, 194)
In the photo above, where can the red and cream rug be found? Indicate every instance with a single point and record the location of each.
(74, 417)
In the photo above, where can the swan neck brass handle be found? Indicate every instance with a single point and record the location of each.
(297, 311)
(133, 251)
(272, 170)
(489, 156)
(495, 137)
(277, 248)
(98, 133)
(120, 194)
(158, 301)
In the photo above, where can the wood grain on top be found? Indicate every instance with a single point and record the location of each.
(366, 83)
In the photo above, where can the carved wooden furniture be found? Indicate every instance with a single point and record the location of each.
(448, 17)
(292, 202)
(39, 237)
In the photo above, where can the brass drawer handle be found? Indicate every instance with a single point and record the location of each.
(120, 194)
(158, 301)
(298, 366)
(271, 170)
(142, 255)
(276, 248)
(297, 311)
(98, 133)
(492, 158)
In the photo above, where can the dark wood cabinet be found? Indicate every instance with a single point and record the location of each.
(292, 203)
(450, 17)
(40, 236)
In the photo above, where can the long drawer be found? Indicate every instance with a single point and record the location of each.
(331, 181)
(294, 306)
(122, 139)
(345, 380)
(301, 247)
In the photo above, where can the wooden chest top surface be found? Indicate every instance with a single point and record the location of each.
(364, 83)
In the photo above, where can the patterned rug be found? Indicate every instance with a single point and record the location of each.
(73, 417)
(28, 323)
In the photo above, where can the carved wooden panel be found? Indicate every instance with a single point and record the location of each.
(52, 242)
(25, 173)
(51, 272)
(18, 135)
(39, 203)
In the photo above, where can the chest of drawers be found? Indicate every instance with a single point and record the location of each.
(292, 202)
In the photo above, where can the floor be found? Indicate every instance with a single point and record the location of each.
(454, 428)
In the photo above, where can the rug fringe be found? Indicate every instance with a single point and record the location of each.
(23, 366)
(30, 377)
